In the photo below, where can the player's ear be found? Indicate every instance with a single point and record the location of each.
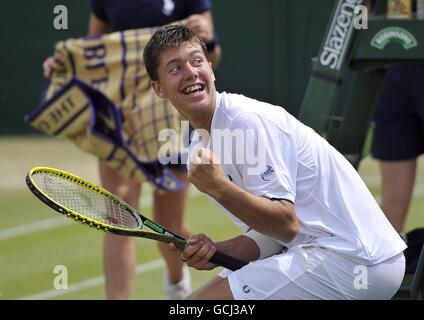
(158, 89)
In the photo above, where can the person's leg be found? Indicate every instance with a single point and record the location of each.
(216, 289)
(119, 258)
(398, 139)
(332, 276)
(119, 253)
(168, 211)
(398, 180)
(307, 273)
(272, 278)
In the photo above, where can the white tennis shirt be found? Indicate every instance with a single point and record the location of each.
(268, 152)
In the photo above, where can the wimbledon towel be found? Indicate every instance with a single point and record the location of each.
(101, 99)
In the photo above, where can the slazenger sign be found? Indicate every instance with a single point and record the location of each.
(339, 34)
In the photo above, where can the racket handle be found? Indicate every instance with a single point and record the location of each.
(227, 261)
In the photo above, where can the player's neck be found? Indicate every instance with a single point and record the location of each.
(203, 119)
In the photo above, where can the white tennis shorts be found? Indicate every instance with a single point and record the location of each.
(311, 273)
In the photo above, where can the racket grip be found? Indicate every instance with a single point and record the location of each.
(227, 261)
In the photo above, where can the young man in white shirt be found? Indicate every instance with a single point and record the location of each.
(282, 183)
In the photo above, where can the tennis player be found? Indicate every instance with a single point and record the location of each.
(301, 194)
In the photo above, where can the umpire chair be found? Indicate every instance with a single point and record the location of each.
(346, 75)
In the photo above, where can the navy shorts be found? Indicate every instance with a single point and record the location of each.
(399, 115)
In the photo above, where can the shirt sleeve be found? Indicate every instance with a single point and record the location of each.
(269, 168)
(98, 9)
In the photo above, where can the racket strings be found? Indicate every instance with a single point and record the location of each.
(85, 201)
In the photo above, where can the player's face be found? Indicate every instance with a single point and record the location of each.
(186, 78)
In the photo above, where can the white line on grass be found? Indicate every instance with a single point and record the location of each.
(59, 222)
(90, 283)
(34, 227)
(11, 185)
(53, 223)
(44, 225)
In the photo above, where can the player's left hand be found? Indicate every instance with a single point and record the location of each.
(198, 252)
(206, 172)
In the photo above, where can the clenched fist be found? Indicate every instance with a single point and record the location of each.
(206, 172)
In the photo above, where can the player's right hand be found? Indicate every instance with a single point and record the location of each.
(52, 64)
(201, 25)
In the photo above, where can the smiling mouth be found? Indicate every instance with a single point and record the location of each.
(194, 89)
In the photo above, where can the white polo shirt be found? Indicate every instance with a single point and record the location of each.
(268, 152)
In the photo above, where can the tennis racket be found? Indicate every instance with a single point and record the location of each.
(91, 205)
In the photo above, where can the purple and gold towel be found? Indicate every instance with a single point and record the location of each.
(102, 101)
